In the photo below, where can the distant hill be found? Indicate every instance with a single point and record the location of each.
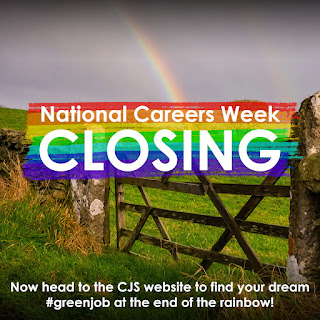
(13, 118)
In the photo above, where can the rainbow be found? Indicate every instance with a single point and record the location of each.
(152, 55)
(62, 150)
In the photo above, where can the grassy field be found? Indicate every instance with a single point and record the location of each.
(13, 118)
(40, 241)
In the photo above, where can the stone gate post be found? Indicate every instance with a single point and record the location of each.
(91, 205)
(304, 230)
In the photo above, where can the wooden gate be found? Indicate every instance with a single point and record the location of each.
(234, 226)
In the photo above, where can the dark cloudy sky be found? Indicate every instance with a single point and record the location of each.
(95, 51)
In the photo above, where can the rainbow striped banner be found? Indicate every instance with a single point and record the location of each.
(105, 119)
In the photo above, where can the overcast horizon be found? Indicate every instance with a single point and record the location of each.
(103, 51)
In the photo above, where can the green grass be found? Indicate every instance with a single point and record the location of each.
(35, 246)
(13, 119)
(39, 241)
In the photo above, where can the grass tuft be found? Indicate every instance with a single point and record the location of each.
(13, 186)
(41, 212)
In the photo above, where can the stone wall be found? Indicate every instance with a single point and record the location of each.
(13, 148)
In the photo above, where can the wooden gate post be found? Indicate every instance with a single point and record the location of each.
(304, 231)
(91, 205)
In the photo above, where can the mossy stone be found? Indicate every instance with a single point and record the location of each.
(309, 170)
